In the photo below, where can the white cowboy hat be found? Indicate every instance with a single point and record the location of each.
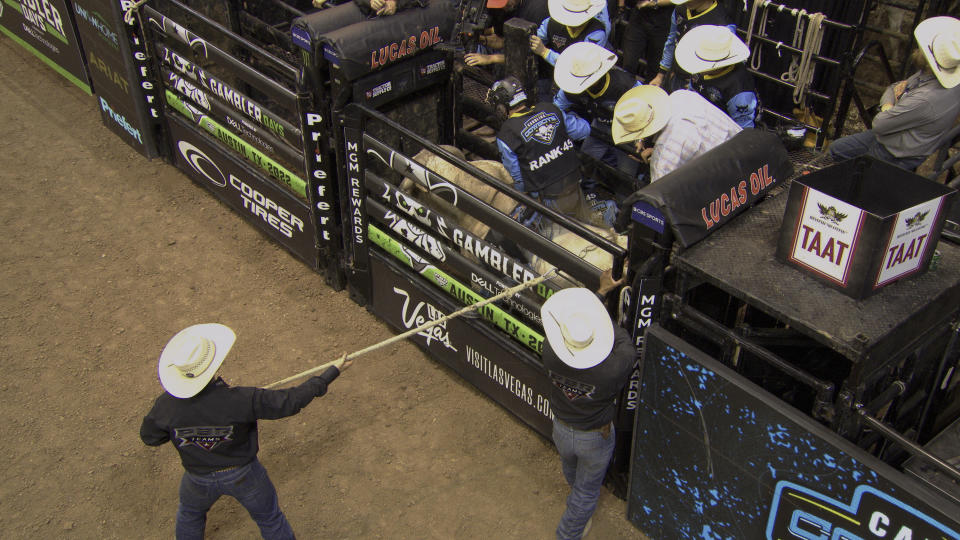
(192, 357)
(580, 65)
(578, 327)
(640, 112)
(707, 47)
(679, 2)
(939, 40)
(574, 12)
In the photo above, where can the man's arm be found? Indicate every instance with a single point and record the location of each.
(273, 404)
(511, 163)
(909, 112)
(577, 128)
(150, 433)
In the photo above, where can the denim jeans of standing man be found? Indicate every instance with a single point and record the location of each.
(585, 456)
(865, 143)
(248, 484)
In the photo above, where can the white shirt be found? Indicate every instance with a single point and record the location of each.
(695, 126)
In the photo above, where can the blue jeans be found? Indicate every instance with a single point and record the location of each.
(249, 485)
(585, 456)
(865, 143)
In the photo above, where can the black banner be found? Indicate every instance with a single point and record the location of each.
(506, 373)
(716, 456)
(446, 257)
(279, 214)
(120, 73)
(231, 96)
(45, 28)
(707, 192)
(489, 254)
(257, 135)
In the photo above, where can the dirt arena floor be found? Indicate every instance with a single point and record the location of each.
(105, 255)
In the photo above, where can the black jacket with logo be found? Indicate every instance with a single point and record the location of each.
(598, 108)
(548, 159)
(587, 398)
(715, 15)
(217, 428)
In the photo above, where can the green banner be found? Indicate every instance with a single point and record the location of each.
(275, 170)
(503, 320)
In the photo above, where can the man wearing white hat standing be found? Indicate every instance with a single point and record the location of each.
(689, 14)
(570, 21)
(589, 361)
(915, 113)
(670, 129)
(590, 84)
(214, 428)
(715, 57)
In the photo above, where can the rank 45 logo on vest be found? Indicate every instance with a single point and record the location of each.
(205, 437)
(541, 127)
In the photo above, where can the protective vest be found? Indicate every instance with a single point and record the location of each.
(558, 38)
(598, 108)
(548, 159)
(721, 90)
(714, 15)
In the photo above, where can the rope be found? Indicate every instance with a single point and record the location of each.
(503, 294)
(756, 53)
(811, 48)
(128, 14)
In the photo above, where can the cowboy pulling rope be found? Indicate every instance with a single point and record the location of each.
(339, 361)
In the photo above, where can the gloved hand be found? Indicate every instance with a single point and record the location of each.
(522, 213)
(343, 362)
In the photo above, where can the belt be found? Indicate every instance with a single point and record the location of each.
(226, 469)
(604, 429)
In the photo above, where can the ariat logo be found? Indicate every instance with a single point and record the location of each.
(205, 437)
(831, 213)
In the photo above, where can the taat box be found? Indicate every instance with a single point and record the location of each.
(862, 224)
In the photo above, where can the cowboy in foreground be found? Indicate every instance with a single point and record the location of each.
(915, 113)
(589, 361)
(715, 57)
(214, 428)
(669, 130)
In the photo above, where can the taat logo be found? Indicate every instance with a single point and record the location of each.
(917, 219)
(202, 164)
(831, 213)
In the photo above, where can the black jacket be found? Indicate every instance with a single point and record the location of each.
(217, 428)
(587, 398)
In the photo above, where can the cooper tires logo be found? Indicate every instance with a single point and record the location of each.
(202, 164)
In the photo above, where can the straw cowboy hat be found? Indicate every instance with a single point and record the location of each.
(640, 112)
(939, 40)
(574, 12)
(707, 47)
(580, 65)
(578, 327)
(192, 357)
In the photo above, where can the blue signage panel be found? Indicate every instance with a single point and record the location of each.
(716, 456)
